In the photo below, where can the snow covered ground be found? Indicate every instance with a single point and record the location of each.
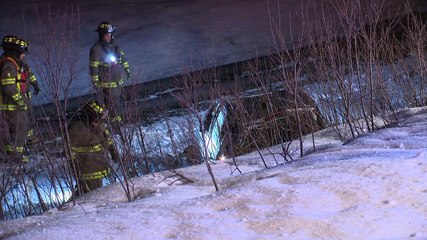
(372, 187)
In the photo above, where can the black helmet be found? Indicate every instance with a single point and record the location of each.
(105, 27)
(11, 42)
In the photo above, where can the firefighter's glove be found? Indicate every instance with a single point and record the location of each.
(21, 105)
(36, 89)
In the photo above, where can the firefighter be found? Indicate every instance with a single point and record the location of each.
(90, 142)
(14, 101)
(108, 67)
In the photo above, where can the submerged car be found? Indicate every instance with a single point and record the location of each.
(236, 125)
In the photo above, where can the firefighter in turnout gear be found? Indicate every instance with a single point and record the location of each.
(90, 142)
(108, 68)
(14, 102)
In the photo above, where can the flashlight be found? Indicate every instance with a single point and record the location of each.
(111, 58)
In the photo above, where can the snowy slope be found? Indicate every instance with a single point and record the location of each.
(372, 187)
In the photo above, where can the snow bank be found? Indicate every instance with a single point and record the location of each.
(373, 187)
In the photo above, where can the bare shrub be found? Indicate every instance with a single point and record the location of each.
(56, 63)
(296, 107)
(55, 60)
(193, 86)
(351, 52)
(411, 77)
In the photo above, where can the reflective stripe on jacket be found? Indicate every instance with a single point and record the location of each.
(88, 149)
(96, 175)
